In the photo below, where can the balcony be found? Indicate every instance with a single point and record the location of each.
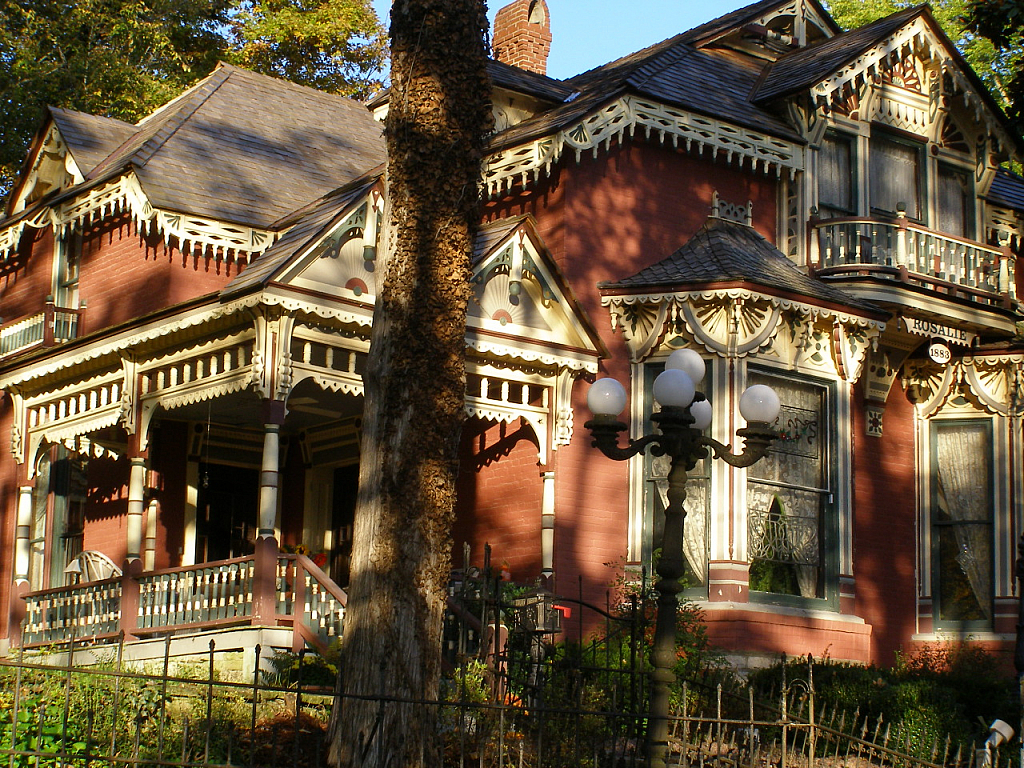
(43, 329)
(905, 253)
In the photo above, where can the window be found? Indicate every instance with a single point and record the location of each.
(58, 518)
(956, 202)
(895, 176)
(697, 505)
(836, 177)
(788, 495)
(961, 521)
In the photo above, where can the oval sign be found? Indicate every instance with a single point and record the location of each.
(939, 352)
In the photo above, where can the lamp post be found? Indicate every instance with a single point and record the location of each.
(684, 415)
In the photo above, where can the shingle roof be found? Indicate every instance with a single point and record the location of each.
(1007, 189)
(531, 83)
(489, 235)
(90, 138)
(805, 67)
(724, 251)
(248, 149)
(317, 218)
(675, 71)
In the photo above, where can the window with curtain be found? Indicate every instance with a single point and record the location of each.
(697, 505)
(956, 202)
(836, 177)
(961, 521)
(788, 494)
(895, 176)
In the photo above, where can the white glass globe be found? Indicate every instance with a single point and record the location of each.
(759, 403)
(606, 397)
(701, 412)
(687, 360)
(674, 387)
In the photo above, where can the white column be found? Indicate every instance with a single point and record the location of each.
(547, 526)
(152, 509)
(23, 534)
(136, 502)
(268, 479)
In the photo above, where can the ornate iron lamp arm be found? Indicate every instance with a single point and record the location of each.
(757, 439)
(606, 439)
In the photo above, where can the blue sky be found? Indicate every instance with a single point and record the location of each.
(586, 34)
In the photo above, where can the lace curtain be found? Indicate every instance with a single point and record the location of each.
(784, 514)
(695, 526)
(963, 521)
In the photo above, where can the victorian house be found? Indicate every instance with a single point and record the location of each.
(186, 307)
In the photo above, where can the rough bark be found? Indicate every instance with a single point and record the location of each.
(414, 388)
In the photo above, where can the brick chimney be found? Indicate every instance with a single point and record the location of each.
(522, 35)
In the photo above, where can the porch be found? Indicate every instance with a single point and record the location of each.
(269, 588)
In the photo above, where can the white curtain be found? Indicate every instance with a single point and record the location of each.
(964, 496)
(695, 542)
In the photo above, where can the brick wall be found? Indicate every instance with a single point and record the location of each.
(602, 219)
(168, 459)
(107, 507)
(885, 530)
(125, 274)
(24, 288)
(522, 35)
(499, 497)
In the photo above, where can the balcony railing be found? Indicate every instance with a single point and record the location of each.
(42, 329)
(910, 253)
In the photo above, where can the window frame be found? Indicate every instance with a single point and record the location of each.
(649, 495)
(850, 140)
(918, 145)
(829, 523)
(934, 542)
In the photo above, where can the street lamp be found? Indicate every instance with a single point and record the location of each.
(684, 415)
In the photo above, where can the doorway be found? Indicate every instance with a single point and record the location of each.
(228, 511)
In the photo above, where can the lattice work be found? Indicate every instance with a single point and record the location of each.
(125, 195)
(526, 163)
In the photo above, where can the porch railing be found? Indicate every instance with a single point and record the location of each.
(912, 253)
(208, 594)
(83, 610)
(266, 589)
(51, 326)
(315, 604)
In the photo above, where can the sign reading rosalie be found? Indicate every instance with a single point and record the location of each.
(934, 330)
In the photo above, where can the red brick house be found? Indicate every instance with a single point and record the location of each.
(186, 306)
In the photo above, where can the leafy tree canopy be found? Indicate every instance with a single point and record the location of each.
(123, 58)
(972, 26)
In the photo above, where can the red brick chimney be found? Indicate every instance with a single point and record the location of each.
(522, 35)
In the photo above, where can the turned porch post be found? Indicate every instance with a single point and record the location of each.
(273, 418)
(23, 533)
(136, 507)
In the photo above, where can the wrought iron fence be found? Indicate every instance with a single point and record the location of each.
(517, 694)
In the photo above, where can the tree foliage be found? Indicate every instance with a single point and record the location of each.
(996, 61)
(1001, 23)
(335, 45)
(123, 58)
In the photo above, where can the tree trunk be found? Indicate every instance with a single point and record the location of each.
(415, 381)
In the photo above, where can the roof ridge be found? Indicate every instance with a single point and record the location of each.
(179, 117)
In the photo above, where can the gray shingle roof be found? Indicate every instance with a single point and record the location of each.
(90, 138)
(248, 149)
(317, 218)
(490, 234)
(676, 71)
(725, 251)
(1007, 189)
(806, 67)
